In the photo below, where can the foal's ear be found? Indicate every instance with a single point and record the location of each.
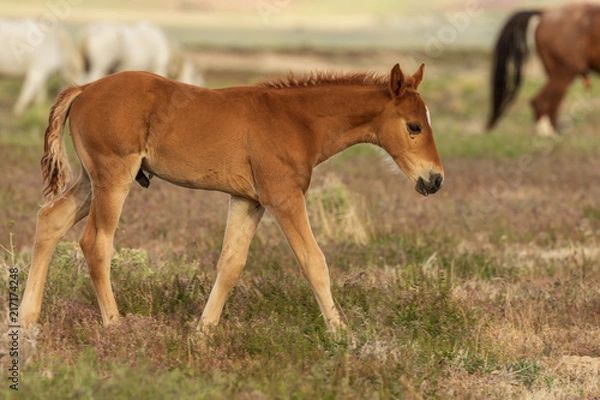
(418, 76)
(396, 80)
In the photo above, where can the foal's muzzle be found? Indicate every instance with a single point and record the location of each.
(430, 186)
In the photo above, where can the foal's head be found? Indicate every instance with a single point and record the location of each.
(406, 133)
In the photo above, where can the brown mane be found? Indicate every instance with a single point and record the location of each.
(322, 78)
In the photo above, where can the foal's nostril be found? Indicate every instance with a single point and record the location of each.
(421, 187)
(436, 181)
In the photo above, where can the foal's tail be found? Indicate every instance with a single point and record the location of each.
(55, 164)
(509, 56)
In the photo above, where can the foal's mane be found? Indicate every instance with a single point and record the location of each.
(324, 78)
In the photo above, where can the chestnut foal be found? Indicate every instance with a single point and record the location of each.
(258, 143)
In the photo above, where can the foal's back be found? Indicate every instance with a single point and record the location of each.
(188, 135)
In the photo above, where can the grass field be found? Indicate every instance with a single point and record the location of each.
(489, 289)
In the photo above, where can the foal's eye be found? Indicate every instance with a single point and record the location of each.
(413, 127)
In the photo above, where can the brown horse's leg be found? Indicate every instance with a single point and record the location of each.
(53, 221)
(290, 213)
(98, 237)
(560, 88)
(244, 217)
(547, 101)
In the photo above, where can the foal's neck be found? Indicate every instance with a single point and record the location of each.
(345, 116)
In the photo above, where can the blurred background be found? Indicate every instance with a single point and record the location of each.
(237, 40)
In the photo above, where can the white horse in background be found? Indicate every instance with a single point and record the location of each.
(110, 47)
(36, 54)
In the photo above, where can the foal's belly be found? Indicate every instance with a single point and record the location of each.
(204, 174)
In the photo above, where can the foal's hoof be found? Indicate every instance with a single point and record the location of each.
(112, 321)
(27, 322)
(337, 329)
(205, 330)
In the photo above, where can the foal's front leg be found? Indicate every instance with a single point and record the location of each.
(243, 219)
(289, 209)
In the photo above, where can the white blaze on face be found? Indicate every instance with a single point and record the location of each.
(428, 115)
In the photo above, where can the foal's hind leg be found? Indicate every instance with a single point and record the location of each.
(53, 221)
(244, 216)
(97, 241)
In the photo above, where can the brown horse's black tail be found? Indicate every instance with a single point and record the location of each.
(509, 56)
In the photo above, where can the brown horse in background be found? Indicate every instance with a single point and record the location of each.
(568, 43)
(257, 143)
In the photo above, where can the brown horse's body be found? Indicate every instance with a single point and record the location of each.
(568, 43)
(257, 143)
